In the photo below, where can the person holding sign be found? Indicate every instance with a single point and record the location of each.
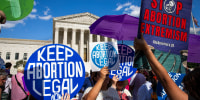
(101, 90)
(172, 90)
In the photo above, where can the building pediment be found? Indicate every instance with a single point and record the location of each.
(82, 18)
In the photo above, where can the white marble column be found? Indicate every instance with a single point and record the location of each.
(98, 38)
(65, 36)
(81, 44)
(113, 40)
(106, 39)
(90, 38)
(88, 51)
(73, 42)
(90, 41)
(56, 37)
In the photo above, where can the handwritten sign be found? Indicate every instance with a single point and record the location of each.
(126, 59)
(104, 54)
(53, 70)
(177, 78)
(166, 23)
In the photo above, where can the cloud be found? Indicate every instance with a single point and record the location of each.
(130, 9)
(133, 10)
(32, 16)
(120, 6)
(45, 17)
(192, 30)
(35, 3)
(34, 10)
(11, 24)
(46, 12)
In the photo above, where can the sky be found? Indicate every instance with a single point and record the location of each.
(38, 25)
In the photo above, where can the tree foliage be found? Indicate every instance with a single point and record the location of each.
(20, 62)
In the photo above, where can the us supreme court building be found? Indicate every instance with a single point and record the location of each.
(73, 31)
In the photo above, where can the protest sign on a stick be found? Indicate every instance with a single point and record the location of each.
(165, 24)
(126, 60)
(53, 70)
(104, 54)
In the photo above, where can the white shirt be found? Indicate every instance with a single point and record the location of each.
(8, 86)
(132, 78)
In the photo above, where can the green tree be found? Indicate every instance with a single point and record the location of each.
(20, 62)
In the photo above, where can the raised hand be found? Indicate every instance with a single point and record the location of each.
(141, 44)
(66, 97)
(103, 72)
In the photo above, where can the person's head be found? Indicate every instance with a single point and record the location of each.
(20, 69)
(121, 85)
(192, 83)
(138, 70)
(2, 17)
(94, 77)
(145, 73)
(8, 65)
(107, 81)
(3, 77)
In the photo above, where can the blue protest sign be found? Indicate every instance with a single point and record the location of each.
(177, 78)
(165, 24)
(104, 54)
(53, 70)
(126, 58)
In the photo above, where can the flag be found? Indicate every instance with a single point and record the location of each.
(195, 21)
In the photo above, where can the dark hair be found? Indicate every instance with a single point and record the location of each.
(3, 72)
(192, 83)
(8, 65)
(152, 80)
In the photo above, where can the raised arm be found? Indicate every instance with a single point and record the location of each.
(0, 93)
(114, 81)
(172, 90)
(92, 95)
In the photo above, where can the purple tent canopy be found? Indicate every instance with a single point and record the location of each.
(120, 27)
(194, 49)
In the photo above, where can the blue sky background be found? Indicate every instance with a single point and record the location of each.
(38, 25)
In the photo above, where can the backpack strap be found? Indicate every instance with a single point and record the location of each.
(20, 85)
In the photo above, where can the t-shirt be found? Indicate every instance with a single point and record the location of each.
(8, 86)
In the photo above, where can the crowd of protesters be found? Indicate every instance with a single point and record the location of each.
(97, 85)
